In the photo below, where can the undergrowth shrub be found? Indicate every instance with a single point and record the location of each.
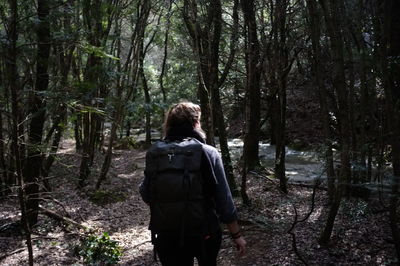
(100, 250)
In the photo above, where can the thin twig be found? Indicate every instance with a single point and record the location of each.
(12, 253)
(297, 221)
(142, 243)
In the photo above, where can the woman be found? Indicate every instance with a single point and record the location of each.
(182, 122)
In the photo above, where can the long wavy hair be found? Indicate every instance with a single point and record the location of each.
(183, 116)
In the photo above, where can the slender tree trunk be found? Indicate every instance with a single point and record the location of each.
(142, 51)
(6, 163)
(201, 45)
(93, 21)
(55, 144)
(280, 147)
(281, 65)
(252, 95)
(274, 109)
(164, 62)
(318, 66)
(354, 178)
(13, 85)
(64, 54)
(367, 109)
(147, 102)
(117, 115)
(253, 69)
(206, 112)
(3, 165)
(390, 67)
(33, 163)
(216, 98)
(84, 169)
(138, 57)
(364, 118)
(334, 208)
(76, 72)
(334, 26)
(206, 39)
(107, 160)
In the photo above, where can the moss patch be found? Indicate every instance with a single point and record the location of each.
(104, 197)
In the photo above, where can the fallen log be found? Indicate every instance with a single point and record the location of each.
(61, 218)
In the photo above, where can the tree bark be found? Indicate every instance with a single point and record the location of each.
(33, 163)
(253, 72)
(142, 54)
(216, 98)
(14, 92)
(3, 165)
(93, 21)
(201, 44)
(146, 92)
(164, 62)
(206, 39)
(282, 64)
(334, 28)
(317, 68)
(390, 67)
(120, 100)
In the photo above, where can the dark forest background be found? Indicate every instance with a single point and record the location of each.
(321, 75)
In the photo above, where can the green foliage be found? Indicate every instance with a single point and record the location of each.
(103, 197)
(87, 108)
(98, 51)
(102, 249)
(355, 209)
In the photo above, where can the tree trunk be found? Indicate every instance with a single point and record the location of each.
(390, 64)
(76, 73)
(206, 40)
(11, 65)
(282, 65)
(202, 39)
(142, 51)
(64, 54)
(334, 27)
(206, 112)
(3, 166)
(118, 114)
(215, 96)
(93, 21)
(147, 103)
(107, 160)
(252, 95)
(164, 62)
(253, 71)
(84, 168)
(366, 123)
(33, 163)
(327, 231)
(317, 68)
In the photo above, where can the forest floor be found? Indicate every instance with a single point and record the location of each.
(361, 234)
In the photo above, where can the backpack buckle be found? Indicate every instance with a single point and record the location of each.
(170, 156)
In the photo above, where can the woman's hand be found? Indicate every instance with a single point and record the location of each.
(237, 237)
(240, 245)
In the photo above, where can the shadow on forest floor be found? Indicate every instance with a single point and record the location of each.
(361, 235)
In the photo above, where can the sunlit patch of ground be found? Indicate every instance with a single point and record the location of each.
(359, 237)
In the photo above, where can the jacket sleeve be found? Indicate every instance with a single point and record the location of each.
(144, 187)
(223, 198)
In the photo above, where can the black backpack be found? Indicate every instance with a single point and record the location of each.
(176, 187)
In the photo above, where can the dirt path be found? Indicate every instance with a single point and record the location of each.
(358, 237)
